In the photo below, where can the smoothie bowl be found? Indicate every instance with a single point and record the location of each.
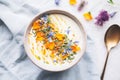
(55, 40)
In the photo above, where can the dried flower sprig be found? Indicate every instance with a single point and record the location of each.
(81, 5)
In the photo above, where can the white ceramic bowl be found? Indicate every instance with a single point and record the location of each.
(47, 66)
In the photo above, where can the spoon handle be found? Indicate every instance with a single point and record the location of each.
(104, 69)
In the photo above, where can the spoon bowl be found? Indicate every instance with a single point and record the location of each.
(112, 36)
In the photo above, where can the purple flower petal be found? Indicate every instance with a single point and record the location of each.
(113, 14)
(50, 34)
(67, 31)
(76, 42)
(102, 17)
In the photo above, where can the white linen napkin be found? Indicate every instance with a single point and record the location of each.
(15, 15)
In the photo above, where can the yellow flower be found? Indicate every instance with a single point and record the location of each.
(75, 48)
(39, 34)
(64, 56)
(39, 39)
(59, 36)
(51, 25)
(50, 45)
(72, 2)
(36, 25)
(88, 16)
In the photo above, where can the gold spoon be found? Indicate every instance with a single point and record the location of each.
(112, 38)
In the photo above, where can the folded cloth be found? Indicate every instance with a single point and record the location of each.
(15, 15)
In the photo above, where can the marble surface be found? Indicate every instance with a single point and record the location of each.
(15, 15)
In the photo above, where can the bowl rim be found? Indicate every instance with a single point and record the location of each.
(57, 11)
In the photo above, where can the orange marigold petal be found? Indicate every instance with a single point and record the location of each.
(36, 24)
(75, 48)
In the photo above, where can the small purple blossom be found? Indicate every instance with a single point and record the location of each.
(57, 2)
(81, 5)
(67, 31)
(76, 42)
(45, 18)
(54, 61)
(50, 34)
(112, 14)
(102, 17)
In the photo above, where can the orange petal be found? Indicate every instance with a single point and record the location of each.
(39, 34)
(75, 48)
(36, 24)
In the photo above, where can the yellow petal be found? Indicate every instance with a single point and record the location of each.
(39, 39)
(87, 16)
(50, 45)
(36, 25)
(37, 57)
(59, 36)
(52, 54)
(75, 48)
(72, 2)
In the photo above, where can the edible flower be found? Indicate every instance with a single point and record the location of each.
(50, 45)
(72, 2)
(110, 1)
(59, 36)
(112, 14)
(75, 48)
(76, 42)
(39, 34)
(81, 5)
(52, 54)
(87, 16)
(102, 17)
(57, 2)
(36, 25)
